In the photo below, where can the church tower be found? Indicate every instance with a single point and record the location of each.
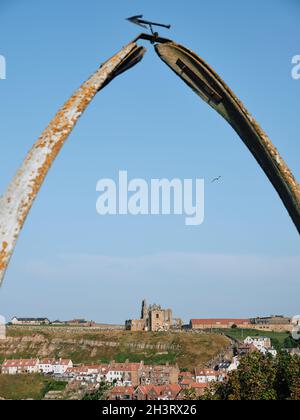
(144, 312)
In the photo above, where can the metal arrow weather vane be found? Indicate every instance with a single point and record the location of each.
(138, 20)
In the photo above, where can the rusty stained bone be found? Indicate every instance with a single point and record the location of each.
(206, 83)
(17, 201)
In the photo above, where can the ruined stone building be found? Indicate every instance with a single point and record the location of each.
(153, 318)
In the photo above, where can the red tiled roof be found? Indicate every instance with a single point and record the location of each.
(62, 362)
(122, 390)
(186, 374)
(145, 388)
(20, 363)
(173, 387)
(160, 390)
(47, 361)
(124, 367)
(185, 382)
(221, 321)
(87, 368)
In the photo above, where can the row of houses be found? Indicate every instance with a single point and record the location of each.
(130, 381)
(128, 374)
(115, 374)
(120, 374)
(197, 381)
(149, 375)
(29, 366)
(125, 374)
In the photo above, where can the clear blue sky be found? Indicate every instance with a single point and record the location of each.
(70, 262)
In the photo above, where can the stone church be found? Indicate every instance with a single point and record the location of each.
(153, 318)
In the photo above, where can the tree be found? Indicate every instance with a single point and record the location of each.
(189, 394)
(261, 377)
(290, 343)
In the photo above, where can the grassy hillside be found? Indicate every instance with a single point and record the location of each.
(19, 387)
(92, 346)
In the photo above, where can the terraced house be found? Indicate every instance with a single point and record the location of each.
(126, 374)
(19, 366)
(57, 367)
(203, 376)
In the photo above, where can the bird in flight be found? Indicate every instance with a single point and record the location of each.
(216, 179)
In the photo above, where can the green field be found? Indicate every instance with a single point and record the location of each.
(20, 387)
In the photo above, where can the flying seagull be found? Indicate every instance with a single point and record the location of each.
(216, 179)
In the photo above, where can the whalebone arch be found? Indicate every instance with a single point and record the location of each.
(16, 203)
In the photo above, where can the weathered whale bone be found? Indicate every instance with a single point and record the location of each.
(16, 203)
(207, 84)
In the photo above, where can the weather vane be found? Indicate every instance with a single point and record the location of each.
(138, 20)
